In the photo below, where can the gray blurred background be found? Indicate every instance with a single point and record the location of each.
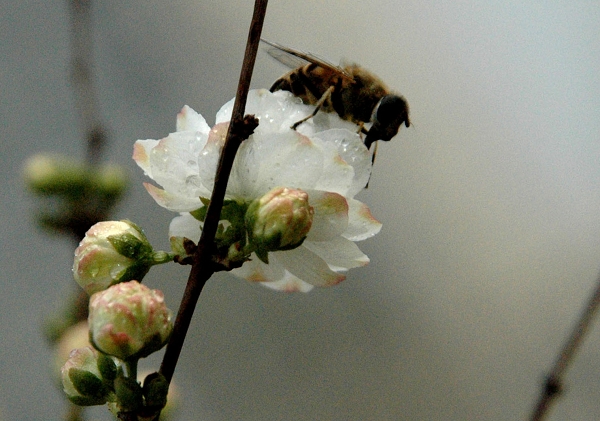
(490, 207)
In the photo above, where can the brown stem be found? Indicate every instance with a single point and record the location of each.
(552, 387)
(86, 99)
(202, 267)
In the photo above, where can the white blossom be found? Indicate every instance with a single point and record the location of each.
(325, 158)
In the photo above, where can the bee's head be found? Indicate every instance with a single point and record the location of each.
(387, 118)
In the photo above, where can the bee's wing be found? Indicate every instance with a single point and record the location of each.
(294, 59)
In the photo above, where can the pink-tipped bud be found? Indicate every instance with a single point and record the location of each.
(111, 252)
(129, 320)
(279, 220)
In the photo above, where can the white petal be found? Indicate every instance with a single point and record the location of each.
(141, 154)
(362, 223)
(353, 153)
(289, 284)
(306, 265)
(171, 201)
(331, 215)
(208, 159)
(190, 120)
(275, 111)
(339, 253)
(185, 225)
(256, 271)
(273, 275)
(173, 162)
(337, 174)
(278, 159)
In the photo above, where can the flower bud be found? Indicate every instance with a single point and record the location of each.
(53, 174)
(49, 174)
(280, 220)
(81, 378)
(129, 320)
(111, 252)
(76, 336)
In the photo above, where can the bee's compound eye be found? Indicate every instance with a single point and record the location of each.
(390, 107)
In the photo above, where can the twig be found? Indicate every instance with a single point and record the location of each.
(86, 100)
(202, 267)
(553, 386)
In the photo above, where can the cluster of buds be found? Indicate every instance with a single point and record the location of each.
(126, 322)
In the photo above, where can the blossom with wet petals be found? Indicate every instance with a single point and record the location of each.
(325, 158)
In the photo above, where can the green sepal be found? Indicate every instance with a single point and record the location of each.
(263, 255)
(88, 385)
(135, 272)
(86, 401)
(292, 246)
(129, 394)
(129, 245)
(200, 213)
(151, 345)
(155, 390)
(107, 367)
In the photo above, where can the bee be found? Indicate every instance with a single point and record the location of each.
(352, 92)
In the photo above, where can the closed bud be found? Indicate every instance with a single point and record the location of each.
(156, 389)
(111, 252)
(49, 174)
(279, 220)
(129, 320)
(53, 174)
(82, 380)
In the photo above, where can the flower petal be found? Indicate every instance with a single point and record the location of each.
(362, 223)
(171, 201)
(289, 284)
(276, 111)
(190, 120)
(257, 271)
(349, 171)
(185, 225)
(173, 162)
(308, 266)
(278, 159)
(331, 215)
(339, 253)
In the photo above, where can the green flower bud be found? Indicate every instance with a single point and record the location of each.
(280, 220)
(53, 174)
(129, 320)
(111, 252)
(49, 174)
(129, 394)
(156, 389)
(81, 378)
(111, 180)
(77, 336)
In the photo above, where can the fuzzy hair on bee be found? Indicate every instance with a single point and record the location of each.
(351, 91)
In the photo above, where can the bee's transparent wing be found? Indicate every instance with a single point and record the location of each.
(294, 59)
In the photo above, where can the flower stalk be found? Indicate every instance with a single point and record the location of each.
(240, 129)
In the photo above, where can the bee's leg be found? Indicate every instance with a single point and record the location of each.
(372, 163)
(318, 106)
(361, 129)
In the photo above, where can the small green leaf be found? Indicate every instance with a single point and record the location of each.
(127, 245)
(86, 383)
(263, 255)
(129, 394)
(155, 390)
(107, 367)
